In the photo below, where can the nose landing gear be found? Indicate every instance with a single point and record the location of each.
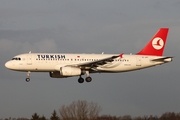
(28, 76)
(27, 79)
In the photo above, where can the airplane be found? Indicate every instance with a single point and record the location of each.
(62, 65)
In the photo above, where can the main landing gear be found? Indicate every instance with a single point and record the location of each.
(28, 76)
(81, 80)
(88, 78)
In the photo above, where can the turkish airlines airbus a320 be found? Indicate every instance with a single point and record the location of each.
(62, 65)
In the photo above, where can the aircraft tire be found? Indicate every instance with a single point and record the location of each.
(80, 80)
(88, 79)
(27, 79)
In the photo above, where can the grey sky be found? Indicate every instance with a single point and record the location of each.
(92, 26)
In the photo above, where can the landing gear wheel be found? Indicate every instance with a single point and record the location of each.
(80, 80)
(28, 76)
(27, 79)
(88, 79)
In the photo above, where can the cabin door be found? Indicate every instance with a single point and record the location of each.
(29, 59)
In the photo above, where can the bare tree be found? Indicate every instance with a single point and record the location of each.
(126, 117)
(170, 116)
(80, 110)
(108, 117)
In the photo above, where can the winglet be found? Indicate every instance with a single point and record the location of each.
(156, 44)
(121, 55)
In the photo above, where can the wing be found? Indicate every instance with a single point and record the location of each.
(94, 64)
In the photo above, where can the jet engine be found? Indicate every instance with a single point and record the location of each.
(56, 75)
(70, 71)
(66, 72)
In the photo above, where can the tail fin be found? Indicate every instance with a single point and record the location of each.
(156, 44)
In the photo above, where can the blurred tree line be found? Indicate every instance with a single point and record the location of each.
(83, 110)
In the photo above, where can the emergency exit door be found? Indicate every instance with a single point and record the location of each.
(138, 61)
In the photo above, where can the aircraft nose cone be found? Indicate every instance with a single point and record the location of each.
(7, 65)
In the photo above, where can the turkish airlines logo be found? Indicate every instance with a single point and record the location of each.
(157, 43)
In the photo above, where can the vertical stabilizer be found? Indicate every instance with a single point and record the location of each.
(156, 44)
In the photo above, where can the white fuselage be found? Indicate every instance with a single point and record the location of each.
(60, 65)
(49, 62)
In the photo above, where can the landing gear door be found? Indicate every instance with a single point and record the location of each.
(138, 61)
(29, 59)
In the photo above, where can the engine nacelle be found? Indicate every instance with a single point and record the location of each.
(70, 71)
(56, 75)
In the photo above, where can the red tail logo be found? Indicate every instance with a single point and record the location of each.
(156, 44)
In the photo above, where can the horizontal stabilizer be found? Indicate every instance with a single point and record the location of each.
(164, 59)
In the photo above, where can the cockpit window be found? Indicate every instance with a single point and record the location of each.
(16, 58)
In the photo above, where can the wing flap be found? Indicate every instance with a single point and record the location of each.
(96, 63)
